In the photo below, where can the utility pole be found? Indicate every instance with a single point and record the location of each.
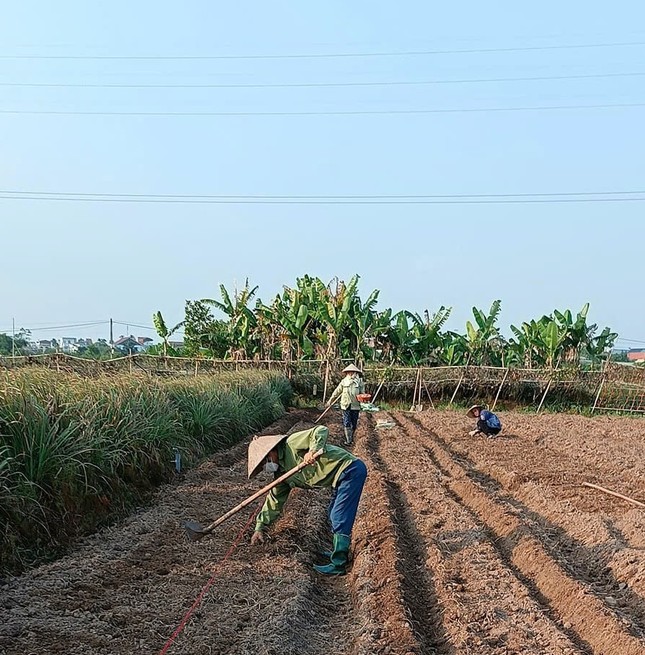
(111, 336)
(13, 338)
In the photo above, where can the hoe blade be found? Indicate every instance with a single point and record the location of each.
(194, 530)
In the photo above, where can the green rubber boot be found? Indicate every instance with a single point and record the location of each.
(339, 557)
(349, 436)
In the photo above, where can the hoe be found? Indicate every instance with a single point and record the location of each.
(194, 530)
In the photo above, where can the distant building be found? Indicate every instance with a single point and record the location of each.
(129, 345)
(68, 344)
(636, 354)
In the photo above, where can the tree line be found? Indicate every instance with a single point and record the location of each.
(317, 320)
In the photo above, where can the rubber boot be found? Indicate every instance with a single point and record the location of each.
(339, 557)
(349, 436)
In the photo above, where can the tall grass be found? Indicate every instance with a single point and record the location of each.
(77, 452)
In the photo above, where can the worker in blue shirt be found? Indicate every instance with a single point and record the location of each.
(487, 422)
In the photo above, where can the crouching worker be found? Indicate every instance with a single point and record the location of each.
(335, 468)
(487, 422)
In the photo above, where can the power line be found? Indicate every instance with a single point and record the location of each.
(329, 196)
(359, 112)
(35, 328)
(144, 327)
(463, 201)
(399, 53)
(136, 325)
(292, 85)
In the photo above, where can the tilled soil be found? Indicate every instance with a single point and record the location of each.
(462, 546)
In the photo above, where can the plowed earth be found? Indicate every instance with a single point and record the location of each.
(462, 546)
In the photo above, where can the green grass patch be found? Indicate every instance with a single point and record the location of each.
(76, 453)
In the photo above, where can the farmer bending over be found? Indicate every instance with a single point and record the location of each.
(335, 468)
(487, 422)
(348, 390)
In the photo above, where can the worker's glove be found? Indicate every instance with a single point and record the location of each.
(472, 433)
(259, 538)
(309, 458)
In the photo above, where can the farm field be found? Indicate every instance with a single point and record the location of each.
(462, 545)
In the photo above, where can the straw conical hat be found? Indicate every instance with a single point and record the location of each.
(259, 448)
(352, 369)
(472, 409)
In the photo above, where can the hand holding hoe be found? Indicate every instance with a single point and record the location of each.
(194, 530)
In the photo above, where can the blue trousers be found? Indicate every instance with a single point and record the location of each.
(350, 418)
(345, 497)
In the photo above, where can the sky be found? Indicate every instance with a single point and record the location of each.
(65, 262)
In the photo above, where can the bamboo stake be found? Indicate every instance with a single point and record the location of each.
(461, 379)
(548, 386)
(613, 493)
(499, 390)
(326, 380)
(428, 392)
(414, 393)
(602, 382)
(595, 402)
(379, 389)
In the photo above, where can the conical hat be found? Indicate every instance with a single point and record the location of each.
(472, 409)
(259, 448)
(352, 369)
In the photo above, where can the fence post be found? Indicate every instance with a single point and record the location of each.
(461, 379)
(548, 386)
(417, 390)
(326, 381)
(380, 386)
(595, 402)
(427, 391)
(602, 382)
(499, 390)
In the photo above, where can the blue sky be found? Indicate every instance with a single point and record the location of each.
(67, 262)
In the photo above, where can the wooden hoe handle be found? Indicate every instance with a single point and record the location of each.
(259, 493)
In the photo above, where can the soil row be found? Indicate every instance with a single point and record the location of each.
(590, 620)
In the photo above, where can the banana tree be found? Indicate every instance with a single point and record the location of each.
(334, 312)
(577, 333)
(290, 315)
(598, 347)
(363, 321)
(163, 331)
(485, 343)
(242, 319)
(454, 350)
(426, 330)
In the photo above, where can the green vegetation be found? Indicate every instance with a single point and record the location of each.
(332, 321)
(77, 452)
(16, 344)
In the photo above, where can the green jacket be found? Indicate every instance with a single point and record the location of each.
(323, 473)
(348, 388)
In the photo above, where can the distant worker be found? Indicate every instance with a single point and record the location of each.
(487, 422)
(350, 389)
(335, 468)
